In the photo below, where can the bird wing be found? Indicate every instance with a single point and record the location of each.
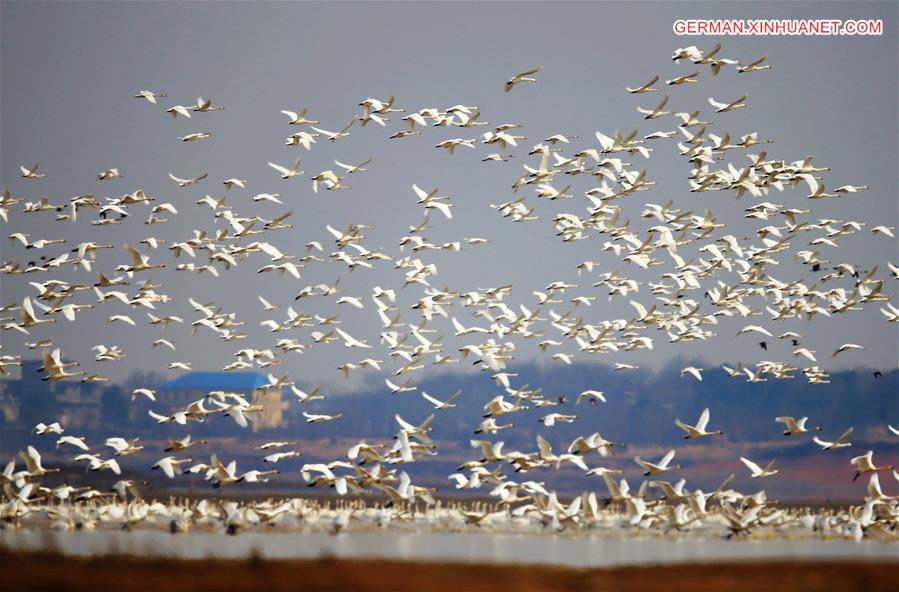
(716, 104)
(844, 436)
(348, 126)
(136, 257)
(545, 449)
(788, 421)
(751, 465)
(649, 84)
(443, 207)
(434, 401)
(279, 168)
(666, 459)
(324, 132)
(662, 104)
(757, 62)
(28, 309)
(421, 193)
(703, 420)
(821, 442)
(167, 468)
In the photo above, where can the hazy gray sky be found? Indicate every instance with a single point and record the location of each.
(69, 71)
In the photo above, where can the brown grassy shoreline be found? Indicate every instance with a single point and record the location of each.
(44, 571)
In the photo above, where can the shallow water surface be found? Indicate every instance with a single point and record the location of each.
(580, 551)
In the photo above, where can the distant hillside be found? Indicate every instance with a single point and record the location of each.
(640, 412)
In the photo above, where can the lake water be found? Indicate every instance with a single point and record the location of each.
(573, 551)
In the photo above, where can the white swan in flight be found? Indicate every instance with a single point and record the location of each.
(320, 418)
(592, 396)
(663, 466)
(441, 405)
(32, 460)
(845, 347)
(525, 76)
(169, 465)
(196, 136)
(54, 428)
(287, 173)
(841, 442)
(644, 88)
(699, 430)
(692, 371)
(31, 173)
(187, 182)
(299, 118)
(794, 427)
(725, 107)
(758, 471)
(865, 464)
(149, 95)
(334, 136)
(657, 112)
(753, 66)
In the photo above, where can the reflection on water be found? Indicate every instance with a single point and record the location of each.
(580, 551)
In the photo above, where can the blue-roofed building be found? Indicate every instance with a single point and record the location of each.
(218, 381)
(255, 387)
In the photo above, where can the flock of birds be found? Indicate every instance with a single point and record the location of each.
(731, 277)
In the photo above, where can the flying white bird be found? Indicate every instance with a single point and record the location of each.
(845, 347)
(663, 466)
(646, 87)
(725, 107)
(521, 77)
(31, 173)
(758, 471)
(692, 371)
(441, 405)
(334, 136)
(143, 392)
(149, 95)
(285, 172)
(187, 182)
(699, 430)
(841, 442)
(321, 418)
(795, 427)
